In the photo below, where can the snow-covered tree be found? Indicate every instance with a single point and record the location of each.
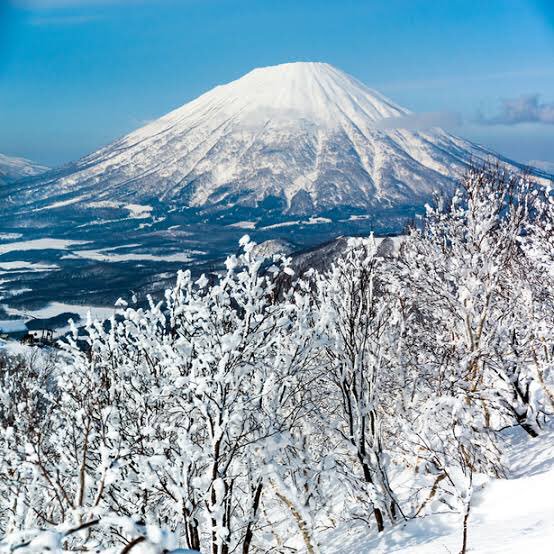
(462, 272)
(358, 323)
(169, 412)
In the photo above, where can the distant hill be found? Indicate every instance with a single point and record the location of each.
(13, 169)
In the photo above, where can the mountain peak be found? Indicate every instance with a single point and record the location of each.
(312, 91)
(304, 135)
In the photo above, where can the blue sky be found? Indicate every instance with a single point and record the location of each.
(76, 74)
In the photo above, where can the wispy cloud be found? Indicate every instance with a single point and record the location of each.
(523, 109)
(64, 20)
(421, 121)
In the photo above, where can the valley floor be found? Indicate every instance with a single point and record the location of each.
(509, 516)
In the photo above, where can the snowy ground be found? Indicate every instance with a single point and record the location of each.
(107, 255)
(39, 244)
(508, 516)
(54, 309)
(25, 267)
(51, 310)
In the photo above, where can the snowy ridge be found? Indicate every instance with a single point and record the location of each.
(16, 168)
(306, 134)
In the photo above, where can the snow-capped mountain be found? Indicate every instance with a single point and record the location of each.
(306, 135)
(12, 169)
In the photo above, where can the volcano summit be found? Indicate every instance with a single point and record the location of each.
(305, 135)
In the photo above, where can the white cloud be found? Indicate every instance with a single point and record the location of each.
(523, 109)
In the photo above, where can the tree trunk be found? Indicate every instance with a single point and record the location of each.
(249, 531)
(529, 430)
(464, 534)
(522, 419)
(469, 495)
(193, 537)
(379, 519)
(433, 492)
(369, 479)
(311, 546)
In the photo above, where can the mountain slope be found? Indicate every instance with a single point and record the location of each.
(509, 515)
(12, 169)
(298, 154)
(305, 135)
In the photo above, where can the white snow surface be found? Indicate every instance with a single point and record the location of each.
(243, 225)
(39, 244)
(304, 132)
(269, 248)
(54, 309)
(508, 516)
(108, 255)
(26, 267)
